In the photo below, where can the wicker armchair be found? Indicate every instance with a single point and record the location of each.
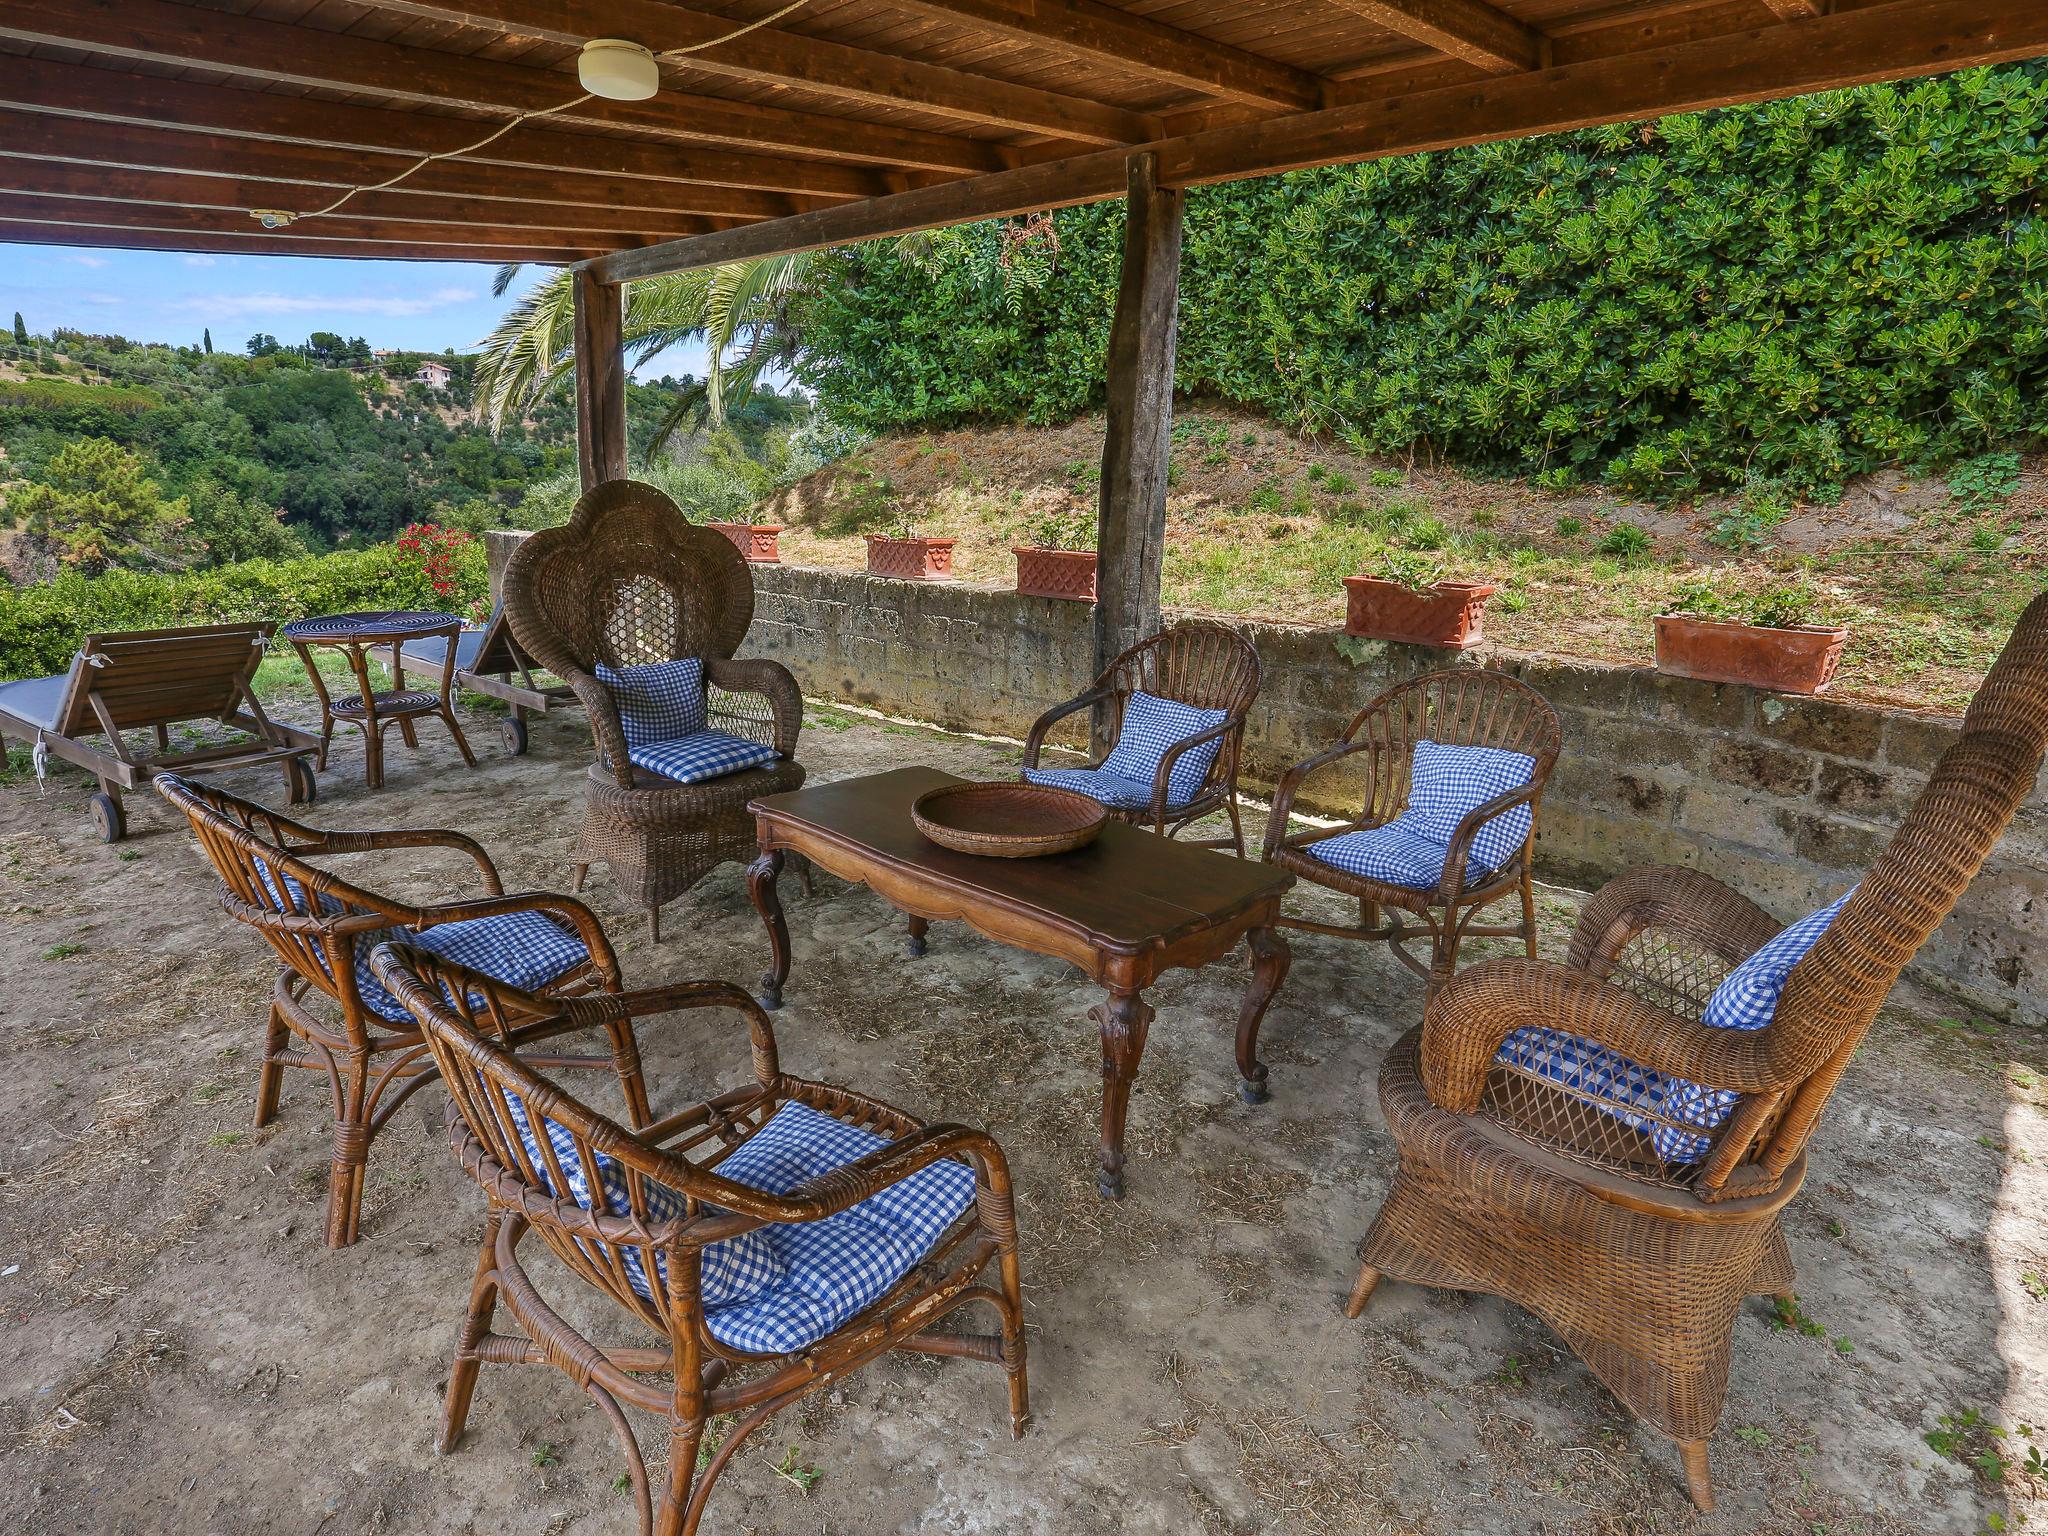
(1204, 666)
(1466, 707)
(628, 581)
(671, 1215)
(1512, 1184)
(323, 928)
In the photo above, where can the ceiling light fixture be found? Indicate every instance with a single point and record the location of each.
(272, 218)
(618, 70)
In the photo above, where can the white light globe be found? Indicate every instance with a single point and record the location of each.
(618, 70)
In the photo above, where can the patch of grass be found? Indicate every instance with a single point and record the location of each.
(1984, 482)
(791, 1470)
(225, 1139)
(545, 1454)
(1386, 479)
(1993, 1451)
(1787, 1316)
(63, 951)
(1625, 541)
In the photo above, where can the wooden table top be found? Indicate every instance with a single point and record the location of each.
(1128, 890)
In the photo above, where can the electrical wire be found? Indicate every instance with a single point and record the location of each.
(524, 117)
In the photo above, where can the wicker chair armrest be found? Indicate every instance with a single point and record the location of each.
(1682, 901)
(1162, 776)
(406, 837)
(845, 1187)
(1452, 883)
(1465, 1023)
(567, 908)
(675, 996)
(605, 730)
(773, 681)
(1291, 782)
(1045, 722)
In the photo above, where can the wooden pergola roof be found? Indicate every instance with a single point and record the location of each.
(163, 123)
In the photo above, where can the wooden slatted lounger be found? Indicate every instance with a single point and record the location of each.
(488, 661)
(152, 679)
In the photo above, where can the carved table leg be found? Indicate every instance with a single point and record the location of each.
(1270, 959)
(1123, 1021)
(914, 945)
(761, 877)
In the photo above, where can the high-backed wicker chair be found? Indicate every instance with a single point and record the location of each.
(323, 928)
(1463, 707)
(1203, 666)
(770, 1240)
(1512, 1183)
(628, 581)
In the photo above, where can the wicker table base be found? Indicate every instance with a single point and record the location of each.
(1127, 908)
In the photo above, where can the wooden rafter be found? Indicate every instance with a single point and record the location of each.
(277, 51)
(785, 58)
(1471, 30)
(89, 213)
(110, 96)
(29, 232)
(1795, 10)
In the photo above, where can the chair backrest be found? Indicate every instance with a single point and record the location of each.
(1834, 992)
(312, 918)
(1205, 666)
(1459, 707)
(156, 676)
(627, 580)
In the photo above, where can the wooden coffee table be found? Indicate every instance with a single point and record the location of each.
(1125, 909)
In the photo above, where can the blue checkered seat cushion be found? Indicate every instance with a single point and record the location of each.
(658, 701)
(1747, 998)
(701, 755)
(527, 950)
(1446, 784)
(1152, 727)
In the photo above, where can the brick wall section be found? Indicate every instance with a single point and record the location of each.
(1788, 800)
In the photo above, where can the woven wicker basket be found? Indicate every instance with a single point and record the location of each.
(1008, 821)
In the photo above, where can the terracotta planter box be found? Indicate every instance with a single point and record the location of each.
(1065, 573)
(754, 541)
(910, 559)
(1447, 616)
(1799, 660)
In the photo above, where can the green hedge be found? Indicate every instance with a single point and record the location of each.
(1801, 291)
(41, 625)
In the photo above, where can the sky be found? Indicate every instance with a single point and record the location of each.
(163, 296)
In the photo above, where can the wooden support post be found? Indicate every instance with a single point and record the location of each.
(600, 380)
(1131, 536)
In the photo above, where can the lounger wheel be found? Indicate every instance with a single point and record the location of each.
(108, 816)
(299, 782)
(512, 731)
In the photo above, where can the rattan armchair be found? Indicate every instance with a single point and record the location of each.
(1512, 1184)
(654, 1267)
(628, 580)
(322, 928)
(1466, 707)
(1205, 666)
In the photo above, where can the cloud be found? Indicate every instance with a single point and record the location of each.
(101, 299)
(245, 306)
(199, 261)
(90, 261)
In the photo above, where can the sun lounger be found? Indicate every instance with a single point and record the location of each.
(488, 661)
(152, 679)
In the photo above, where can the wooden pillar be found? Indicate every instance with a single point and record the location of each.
(1131, 533)
(600, 380)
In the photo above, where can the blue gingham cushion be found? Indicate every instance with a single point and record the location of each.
(734, 1269)
(834, 1268)
(1399, 853)
(1447, 784)
(1112, 789)
(1748, 995)
(1746, 999)
(1151, 727)
(700, 755)
(522, 949)
(658, 701)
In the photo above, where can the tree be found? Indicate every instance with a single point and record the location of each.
(96, 506)
(326, 348)
(262, 345)
(206, 340)
(20, 330)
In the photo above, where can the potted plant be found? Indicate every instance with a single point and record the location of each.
(1059, 559)
(1410, 602)
(754, 541)
(1775, 636)
(909, 556)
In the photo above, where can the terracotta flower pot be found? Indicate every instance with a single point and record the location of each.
(1801, 660)
(754, 541)
(910, 559)
(1067, 573)
(1447, 616)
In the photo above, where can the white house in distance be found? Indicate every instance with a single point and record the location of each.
(435, 375)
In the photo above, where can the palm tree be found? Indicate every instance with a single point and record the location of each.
(739, 310)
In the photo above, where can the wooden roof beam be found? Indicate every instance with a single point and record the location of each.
(1797, 10)
(1470, 30)
(787, 58)
(271, 50)
(15, 231)
(1132, 44)
(106, 95)
(1899, 40)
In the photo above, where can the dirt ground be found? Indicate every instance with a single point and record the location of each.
(181, 1354)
